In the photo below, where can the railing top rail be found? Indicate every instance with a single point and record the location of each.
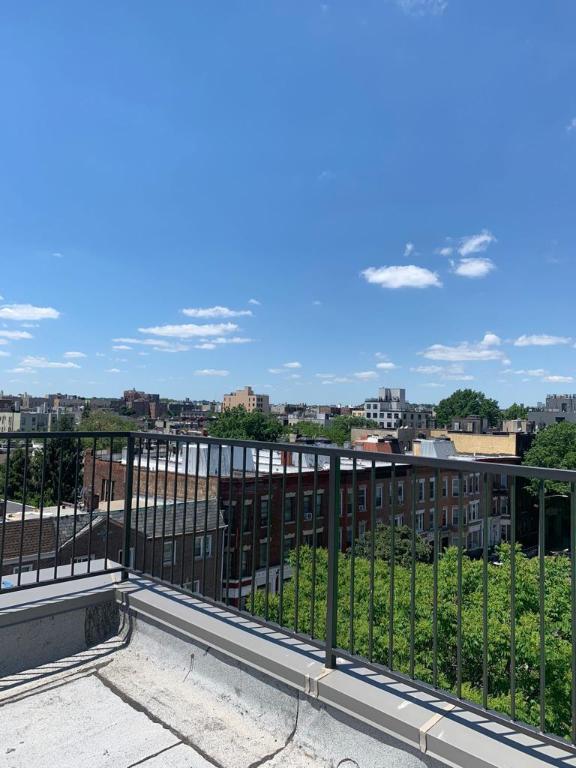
(452, 465)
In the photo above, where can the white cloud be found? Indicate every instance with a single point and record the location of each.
(452, 372)
(316, 303)
(338, 380)
(539, 372)
(72, 355)
(285, 367)
(255, 302)
(386, 366)
(475, 243)
(211, 372)
(43, 362)
(558, 379)
(121, 347)
(465, 350)
(540, 340)
(190, 330)
(474, 267)
(112, 370)
(324, 375)
(15, 335)
(58, 255)
(231, 340)
(205, 345)
(20, 370)
(408, 276)
(571, 125)
(422, 7)
(159, 345)
(212, 312)
(409, 250)
(295, 376)
(447, 250)
(365, 375)
(20, 312)
(4, 354)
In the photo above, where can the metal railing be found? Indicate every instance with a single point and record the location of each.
(445, 601)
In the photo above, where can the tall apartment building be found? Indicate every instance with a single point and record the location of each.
(248, 399)
(390, 410)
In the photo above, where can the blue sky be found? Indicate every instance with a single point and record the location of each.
(343, 195)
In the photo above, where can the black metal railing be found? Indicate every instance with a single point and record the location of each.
(341, 547)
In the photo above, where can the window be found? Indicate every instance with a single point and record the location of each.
(379, 496)
(263, 554)
(362, 499)
(473, 511)
(247, 516)
(24, 567)
(401, 492)
(203, 545)
(308, 539)
(108, 489)
(168, 555)
(84, 558)
(420, 490)
(473, 540)
(455, 486)
(319, 505)
(289, 543)
(289, 509)
(264, 505)
(420, 521)
(477, 482)
(398, 520)
(308, 507)
(455, 515)
(432, 488)
(349, 535)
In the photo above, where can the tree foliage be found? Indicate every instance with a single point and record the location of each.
(104, 421)
(238, 424)
(515, 411)
(467, 402)
(338, 430)
(554, 446)
(354, 607)
(402, 545)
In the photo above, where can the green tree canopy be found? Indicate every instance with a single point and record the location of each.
(104, 421)
(237, 424)
(467, 402)
(515, 411)
(402, 545)
(338, 429)
(553, 447)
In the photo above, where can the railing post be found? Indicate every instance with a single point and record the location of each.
(128, 506)
(333, 527)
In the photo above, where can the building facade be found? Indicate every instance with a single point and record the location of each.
(247, 398)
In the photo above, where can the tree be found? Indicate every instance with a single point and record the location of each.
(515, 411)
(555, 447)
(104, 421)
(467, 402)
(365, 604)
(238, 424)
(338, 430)
(402, 545)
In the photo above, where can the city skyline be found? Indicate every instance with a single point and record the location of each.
(313, 200)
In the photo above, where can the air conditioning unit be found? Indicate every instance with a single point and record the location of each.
(307, 515)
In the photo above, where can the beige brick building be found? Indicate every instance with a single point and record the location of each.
(248, 399)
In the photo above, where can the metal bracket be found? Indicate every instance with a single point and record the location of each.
(430, 724)
(311, 683)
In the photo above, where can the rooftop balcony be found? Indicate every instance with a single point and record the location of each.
(173, 617)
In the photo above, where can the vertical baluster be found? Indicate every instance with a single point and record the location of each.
(5, 508)
(541, 600)
(23, 508)
(41, 516)
(353, 553)
(513, 598)
(76, 491)
(299, 513)
(219, 557)
(255, 527)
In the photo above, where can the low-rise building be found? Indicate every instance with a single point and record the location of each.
(390, 410)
